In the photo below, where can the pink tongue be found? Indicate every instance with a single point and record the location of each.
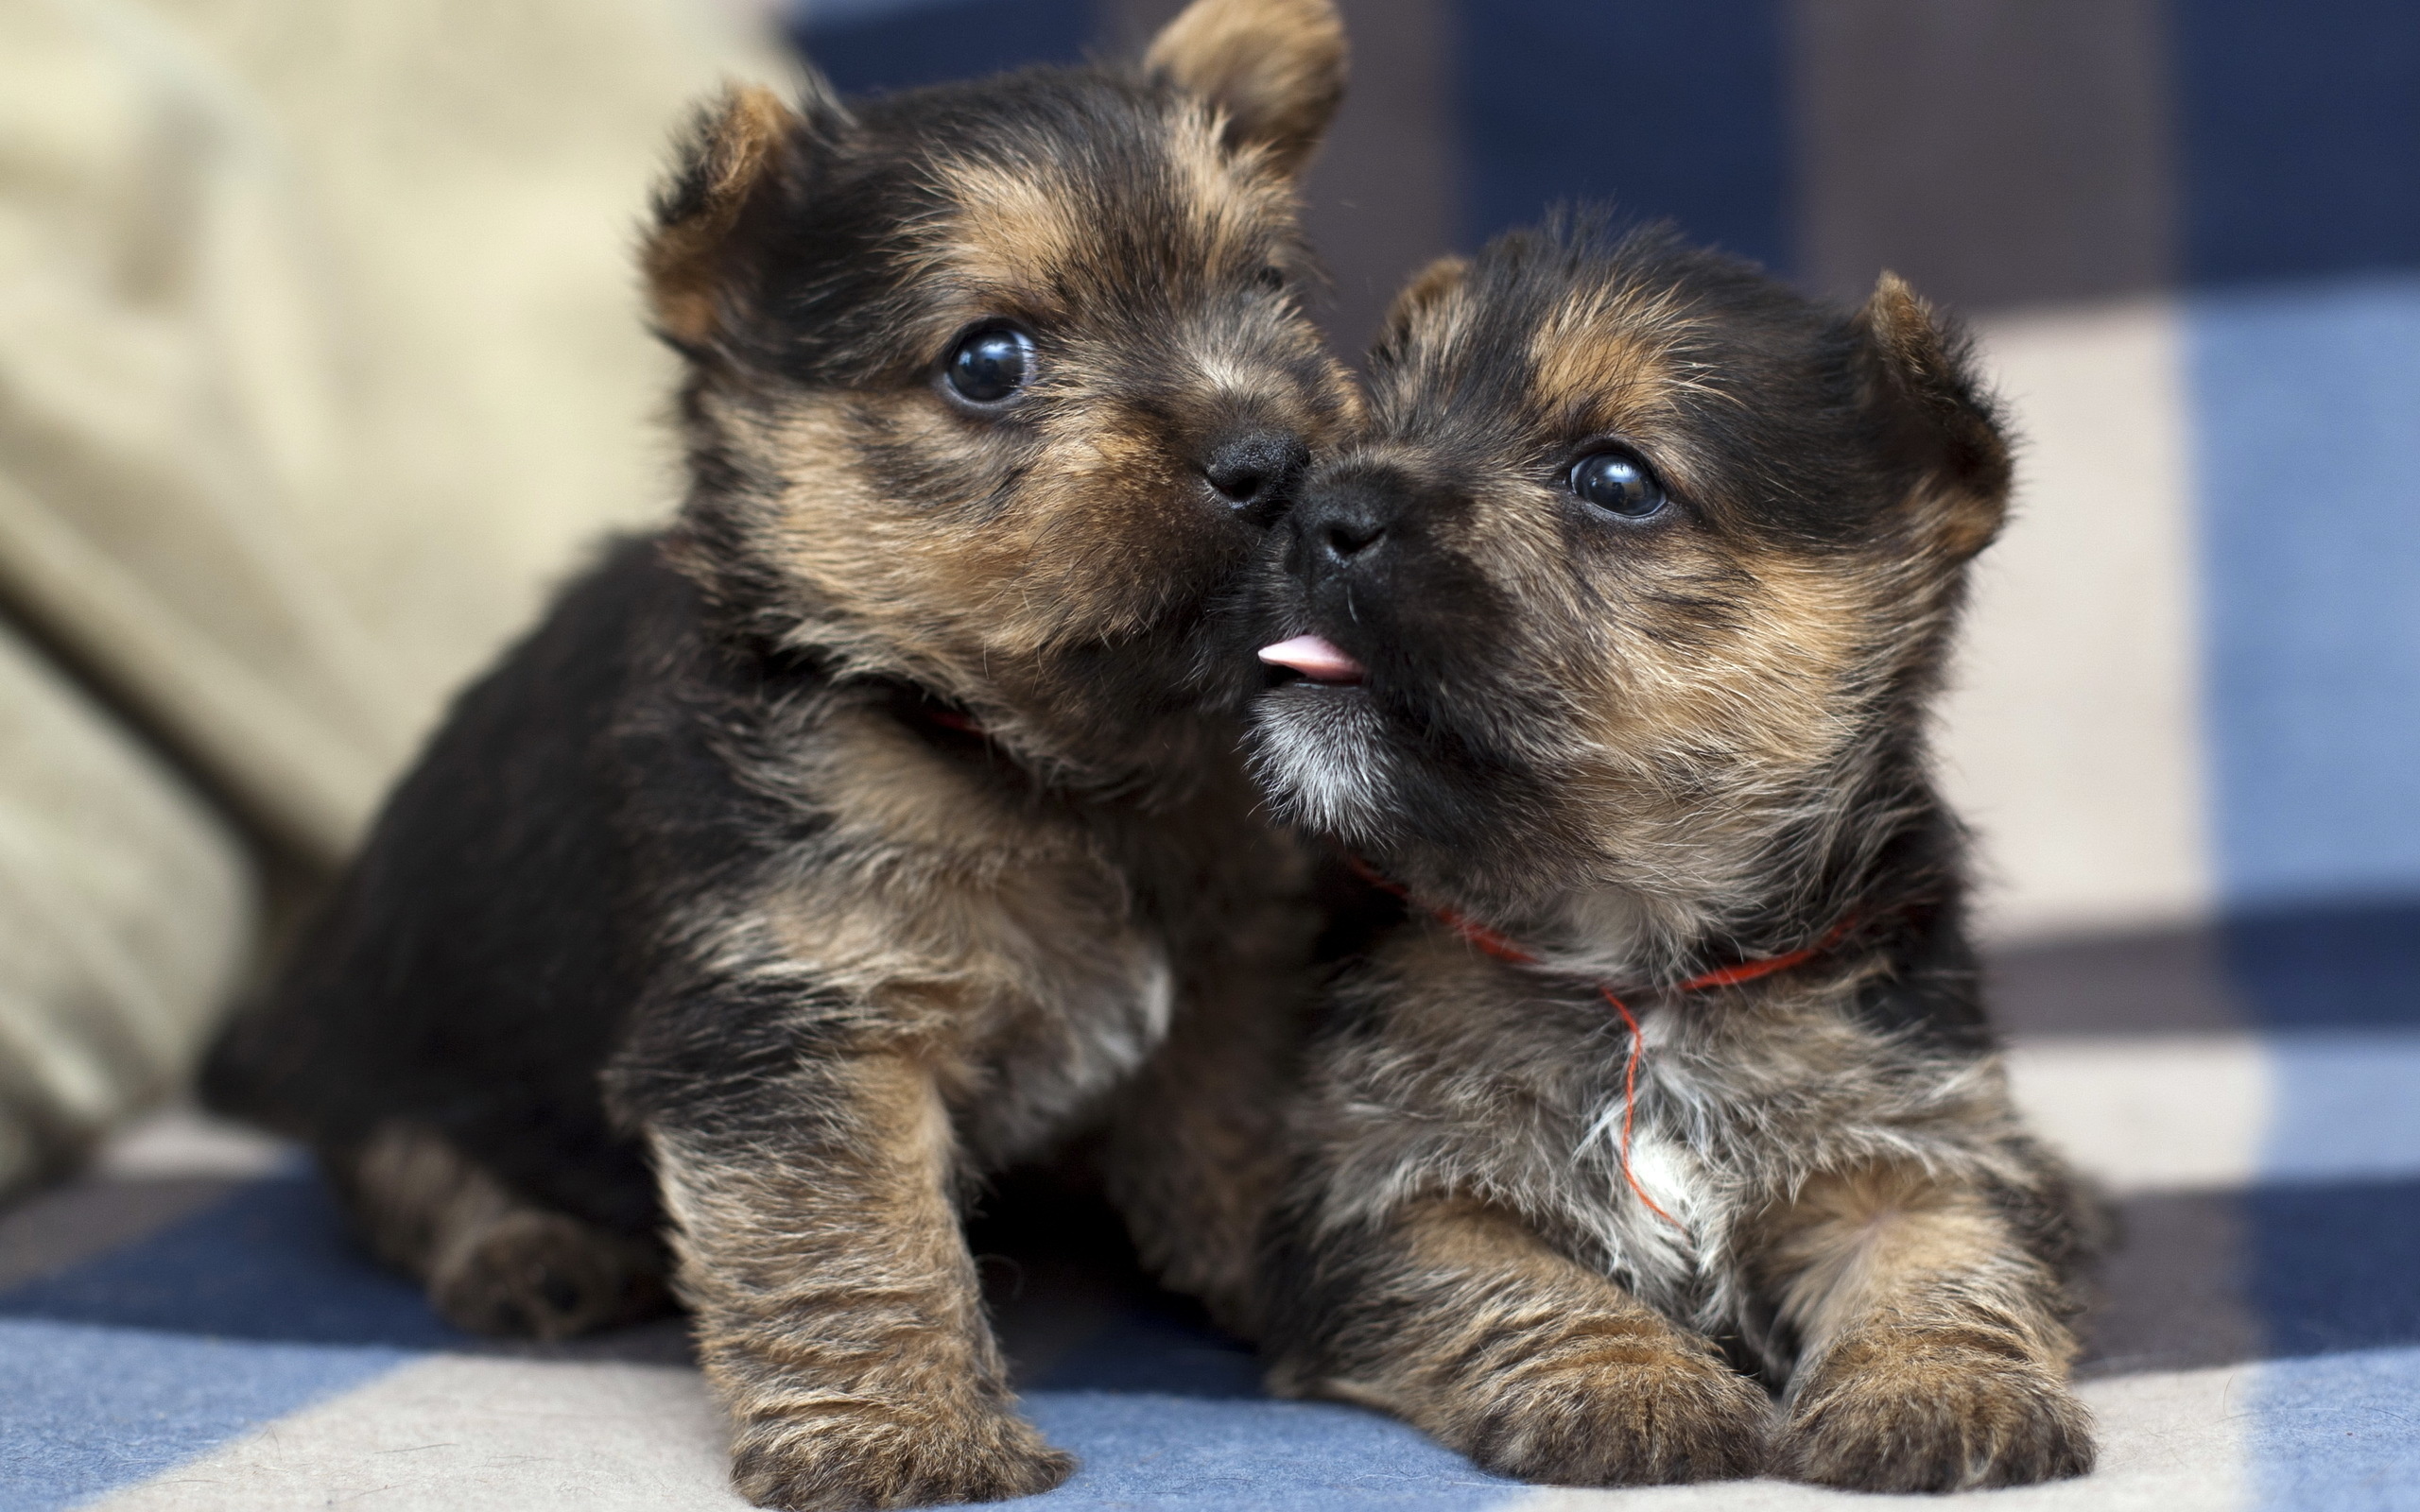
(1315, 658)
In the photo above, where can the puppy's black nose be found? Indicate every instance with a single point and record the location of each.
(1344, 537)
(1255, 472)
(1339, 522)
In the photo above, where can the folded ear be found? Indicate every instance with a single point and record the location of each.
(737, 149)
(1935, 412)
(1275, 67)
(1425, 292)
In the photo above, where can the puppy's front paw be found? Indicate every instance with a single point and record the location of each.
(868, 1453)
(1908, 1412)
(1628, 1411)
(544, 1275)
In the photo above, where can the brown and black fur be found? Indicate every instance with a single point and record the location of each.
(1644, 748)
(881, 822)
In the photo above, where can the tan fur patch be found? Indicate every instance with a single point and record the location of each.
(1423, 300)
(1585, 363)
(1771, 690)
(743, 142)
(1012, 228)
(952, 603)
(941, 602)
(1230, 203)
(1500, 1347)
(1902, 324)
(1870, 1236)
(1931, 1362)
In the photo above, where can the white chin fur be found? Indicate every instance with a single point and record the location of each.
(1324, 757)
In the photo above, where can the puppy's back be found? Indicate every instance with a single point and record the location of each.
(472, 971)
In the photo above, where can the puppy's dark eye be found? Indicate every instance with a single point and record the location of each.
(989, 365)
(1272, 278)
(1619, 483)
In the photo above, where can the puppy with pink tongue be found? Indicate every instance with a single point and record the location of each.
(1661, 1134)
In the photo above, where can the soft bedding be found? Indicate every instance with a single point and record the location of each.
(188, 1328)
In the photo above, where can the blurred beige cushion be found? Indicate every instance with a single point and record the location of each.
(125, 907)
(320, 359)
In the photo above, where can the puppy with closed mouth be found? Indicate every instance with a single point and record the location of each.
(881, 822)
(1611, 648)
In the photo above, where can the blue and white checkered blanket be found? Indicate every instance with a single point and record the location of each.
(189, 1329)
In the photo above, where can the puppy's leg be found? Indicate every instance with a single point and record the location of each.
(1933, 1357)
(493, 1262)
(1457, 1317)
(838, 1310)
(1194, 1158)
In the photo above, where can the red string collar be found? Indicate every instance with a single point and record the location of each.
(1493, 943)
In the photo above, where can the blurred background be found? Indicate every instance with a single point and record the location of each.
(320, 360)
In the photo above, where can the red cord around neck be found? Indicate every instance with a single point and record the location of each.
(1494, 944)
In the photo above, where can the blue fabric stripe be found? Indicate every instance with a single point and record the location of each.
(2327, 966)
(929, 43)
(270, 1262)
(2299, 129)
(1665, 110)
(1150, 1352)
(159, 1351)
(2333, 1268)
(803, 15)
(2306, 449)
(84, 1410)
(2338, 1433)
